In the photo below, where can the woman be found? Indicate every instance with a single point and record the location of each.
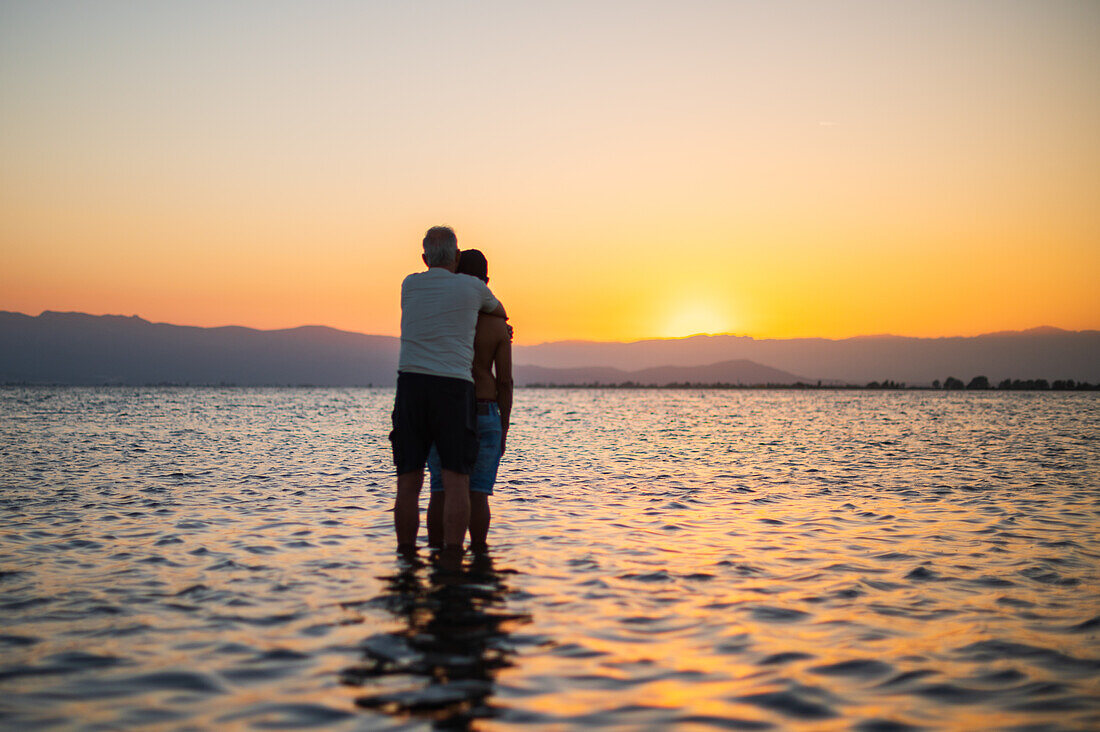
(492, 372)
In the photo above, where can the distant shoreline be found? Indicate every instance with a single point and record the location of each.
(1059, 386)
(75, 348)
(1056, 386)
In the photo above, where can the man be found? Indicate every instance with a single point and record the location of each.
(492, 374)
(435, 400)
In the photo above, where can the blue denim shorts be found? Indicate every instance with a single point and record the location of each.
(484, 472)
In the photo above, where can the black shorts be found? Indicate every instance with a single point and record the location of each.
(434, 410)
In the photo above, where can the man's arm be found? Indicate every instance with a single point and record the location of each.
(502, 368)
(498, 312)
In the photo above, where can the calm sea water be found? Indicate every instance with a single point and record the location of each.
(203, 558)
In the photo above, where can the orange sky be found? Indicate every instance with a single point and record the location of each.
(631, 170)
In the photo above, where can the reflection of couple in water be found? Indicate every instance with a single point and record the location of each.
(454, 396)
(441, 665)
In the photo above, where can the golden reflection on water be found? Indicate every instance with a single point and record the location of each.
(783, 560)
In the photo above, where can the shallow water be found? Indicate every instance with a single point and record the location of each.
(204, 558)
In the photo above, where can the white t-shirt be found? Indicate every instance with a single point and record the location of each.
(438, 317)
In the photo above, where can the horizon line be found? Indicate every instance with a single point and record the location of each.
(1033, 329)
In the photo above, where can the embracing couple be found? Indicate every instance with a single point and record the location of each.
(454, 395)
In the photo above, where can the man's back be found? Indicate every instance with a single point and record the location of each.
(439, 312)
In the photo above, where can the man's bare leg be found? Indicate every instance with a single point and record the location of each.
(479, 519)
(456, 507)
(435, 520)
(406, 509)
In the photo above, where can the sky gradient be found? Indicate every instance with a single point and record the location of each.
(631, 169)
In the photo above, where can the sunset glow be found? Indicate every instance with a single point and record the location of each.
(776, 170)
(692, 316)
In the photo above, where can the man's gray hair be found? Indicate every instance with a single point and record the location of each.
(440, 246)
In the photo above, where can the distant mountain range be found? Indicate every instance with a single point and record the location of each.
(740, 371)
(1039, 353)
(75, 348)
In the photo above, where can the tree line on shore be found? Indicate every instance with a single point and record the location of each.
(978, 383)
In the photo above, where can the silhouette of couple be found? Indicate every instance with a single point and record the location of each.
(454, 396)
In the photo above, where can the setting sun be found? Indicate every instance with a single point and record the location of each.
(694, 317)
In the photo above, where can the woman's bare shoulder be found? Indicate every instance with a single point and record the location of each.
(492, 325)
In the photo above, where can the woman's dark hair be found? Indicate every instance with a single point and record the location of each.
(472, 262)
